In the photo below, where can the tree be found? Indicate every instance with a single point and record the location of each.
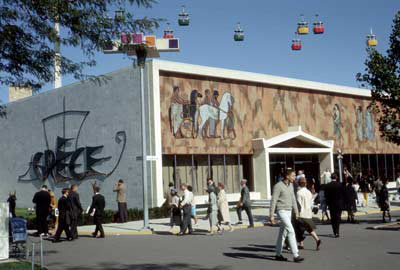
(28, 36)
(382, 76)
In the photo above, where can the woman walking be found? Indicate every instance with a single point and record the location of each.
(384, 202)
(322, 203)
(176, 218)
(223, 207)
(305, 200)
(350, 197)
(212, 211)
(364, 188)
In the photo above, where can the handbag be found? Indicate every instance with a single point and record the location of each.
(315, 210)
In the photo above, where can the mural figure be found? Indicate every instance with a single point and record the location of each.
(369, 125)
(176, 111)
(195, 102)
(206, 100)
(208, 112)
(360, 123)
(337, 121)
(213, 122)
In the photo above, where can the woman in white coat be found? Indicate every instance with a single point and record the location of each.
(223, 207)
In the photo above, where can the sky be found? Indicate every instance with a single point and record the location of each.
(334, 57)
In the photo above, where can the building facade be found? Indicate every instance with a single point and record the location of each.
(202, 122)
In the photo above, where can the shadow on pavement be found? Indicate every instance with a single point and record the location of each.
(117, 266)
(393, 253)
(241, 255)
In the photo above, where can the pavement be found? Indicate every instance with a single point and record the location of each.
(161, 226)
(251, 249)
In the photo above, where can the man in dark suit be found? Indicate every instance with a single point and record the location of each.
(334, 195)
(244, 204)
(76, 210)
(42, 201)
(97, 211)
(64, 216)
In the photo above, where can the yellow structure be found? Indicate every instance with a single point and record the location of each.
(302, 29)
(16, 93)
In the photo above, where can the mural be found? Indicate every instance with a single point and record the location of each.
(200, 116)
(337, 121)
(203, 115)
(62, 165)
(365, 124)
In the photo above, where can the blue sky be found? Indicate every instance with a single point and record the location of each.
(334, 57)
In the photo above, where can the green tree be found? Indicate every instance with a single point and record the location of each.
(382, 76)
(28, 37)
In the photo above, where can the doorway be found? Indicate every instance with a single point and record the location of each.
(309, 163)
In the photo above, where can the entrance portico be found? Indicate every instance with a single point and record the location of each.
(294, 142)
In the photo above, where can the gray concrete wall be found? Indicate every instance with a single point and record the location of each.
(114, 106)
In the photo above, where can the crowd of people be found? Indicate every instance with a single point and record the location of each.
(183, 209)
(294, 200)
(64, 214)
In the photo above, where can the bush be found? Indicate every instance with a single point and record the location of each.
(110, 216)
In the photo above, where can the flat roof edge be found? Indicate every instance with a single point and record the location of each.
(184, 68)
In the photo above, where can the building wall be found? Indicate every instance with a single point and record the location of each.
(113, 108)
(264, 111)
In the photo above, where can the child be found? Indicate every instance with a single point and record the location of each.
(176, 211)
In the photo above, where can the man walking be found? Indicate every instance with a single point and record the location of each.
(284, 201)
(64, 216)
(334, 199)
(42, 200)
(77, 210)
(97, 211)
(187, 210)
(121, 200)
(244, 204)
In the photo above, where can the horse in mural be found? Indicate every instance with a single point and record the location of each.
(217, 113)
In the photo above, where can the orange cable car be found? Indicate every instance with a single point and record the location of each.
(371, 40)
(302, 26)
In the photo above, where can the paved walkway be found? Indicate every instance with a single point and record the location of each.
(161, 226)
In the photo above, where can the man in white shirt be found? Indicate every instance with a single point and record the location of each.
(186, 206)
(326, 176)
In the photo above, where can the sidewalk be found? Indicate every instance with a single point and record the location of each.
(161, 226)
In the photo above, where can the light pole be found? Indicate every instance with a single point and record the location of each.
(142, 47)
(340, 160)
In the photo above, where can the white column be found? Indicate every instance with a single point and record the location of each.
(4, 217)
(268, 178)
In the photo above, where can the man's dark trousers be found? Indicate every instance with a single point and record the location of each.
(246, 208)
(336, 217)
(187, 221)
(123, 212)
(74, 226)
(43, 226)
(99, 227)
(62, 226)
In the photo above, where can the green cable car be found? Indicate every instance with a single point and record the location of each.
(239, 33)
(183, 19)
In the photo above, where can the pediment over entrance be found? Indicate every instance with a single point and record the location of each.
(294, 138)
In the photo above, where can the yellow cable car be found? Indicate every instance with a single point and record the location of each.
(371, 40)
(302, 27)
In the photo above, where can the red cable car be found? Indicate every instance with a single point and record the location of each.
(168, 33)
(318, 26)
(296, 43)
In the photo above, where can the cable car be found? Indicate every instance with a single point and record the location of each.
(168, 33)
(318, 26)
(239, 33)
(302, 27)
(183, 18)
(296, 43)
(371, 40)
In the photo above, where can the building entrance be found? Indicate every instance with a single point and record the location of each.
(309, 163)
